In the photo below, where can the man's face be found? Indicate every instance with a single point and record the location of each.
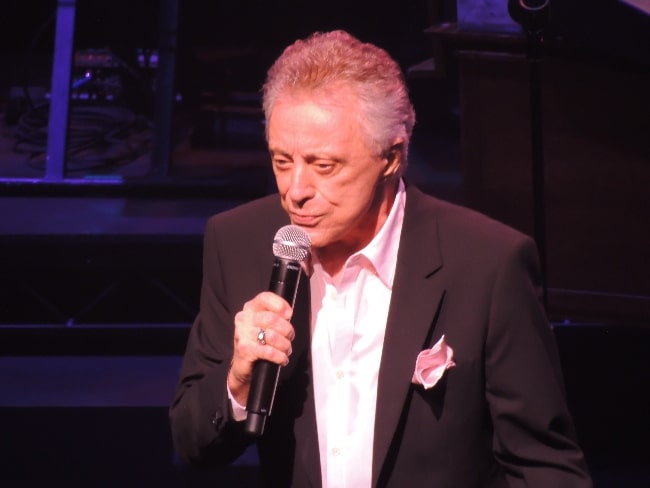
(331, 183)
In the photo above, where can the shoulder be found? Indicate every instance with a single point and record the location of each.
(458, 225)
(464, 238)
(479, 256)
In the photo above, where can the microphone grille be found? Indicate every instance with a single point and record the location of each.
(292, 243)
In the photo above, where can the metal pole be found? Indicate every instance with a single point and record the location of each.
(164, 96)
(537, 152)
(533, 17)
(60, 92)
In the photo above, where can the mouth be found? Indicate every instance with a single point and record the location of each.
(304, 220)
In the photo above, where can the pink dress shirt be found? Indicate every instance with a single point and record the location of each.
(347, 326)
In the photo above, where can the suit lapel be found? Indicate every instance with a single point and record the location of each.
(307, 439)
(415, 300)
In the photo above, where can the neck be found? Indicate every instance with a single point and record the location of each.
(334, 256)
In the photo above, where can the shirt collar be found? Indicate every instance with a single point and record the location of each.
(382, 250)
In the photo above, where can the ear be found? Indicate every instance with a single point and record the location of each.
(393, 159)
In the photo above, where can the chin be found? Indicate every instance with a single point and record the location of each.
(316, 238)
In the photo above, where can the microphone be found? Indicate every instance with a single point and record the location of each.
(291, 245)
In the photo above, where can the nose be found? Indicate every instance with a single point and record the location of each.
(301, 187)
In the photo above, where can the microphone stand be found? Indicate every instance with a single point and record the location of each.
(532, 15)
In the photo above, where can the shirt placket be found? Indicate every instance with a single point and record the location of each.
(341, 335)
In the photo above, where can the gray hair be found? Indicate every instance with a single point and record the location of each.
(325, 61)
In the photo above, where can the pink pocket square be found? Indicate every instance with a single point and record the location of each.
(432, 363)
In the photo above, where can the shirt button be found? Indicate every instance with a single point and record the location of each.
(336, 451)
(340, 374)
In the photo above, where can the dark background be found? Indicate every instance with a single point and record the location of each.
(101, 268)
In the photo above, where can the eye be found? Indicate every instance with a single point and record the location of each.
(324, 166)
(281, 163)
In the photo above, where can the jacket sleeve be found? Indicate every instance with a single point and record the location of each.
(203, 430)
(534, 438)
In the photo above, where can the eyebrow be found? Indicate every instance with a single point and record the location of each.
(309, 157)
(279, 152)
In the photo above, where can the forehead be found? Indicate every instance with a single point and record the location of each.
(335, 97)
(309, 117)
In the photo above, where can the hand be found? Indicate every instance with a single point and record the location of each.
(271, 313)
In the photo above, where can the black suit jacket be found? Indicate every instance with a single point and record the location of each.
(498, 418)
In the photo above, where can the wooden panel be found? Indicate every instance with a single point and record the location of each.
(495, 136)
(597, 159)
(597, 151)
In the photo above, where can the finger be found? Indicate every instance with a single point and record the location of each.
(274, 344)
(277, 355)
(272, 321)
(270, 302)
(275, 339)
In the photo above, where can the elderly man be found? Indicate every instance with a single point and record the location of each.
(417, 352)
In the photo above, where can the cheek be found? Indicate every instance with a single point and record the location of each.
(333, 194)
(283, 184)
(349, 195)
(281, 181)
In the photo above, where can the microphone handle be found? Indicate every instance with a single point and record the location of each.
(284, 282)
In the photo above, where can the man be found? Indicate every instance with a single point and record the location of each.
(392, 273)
